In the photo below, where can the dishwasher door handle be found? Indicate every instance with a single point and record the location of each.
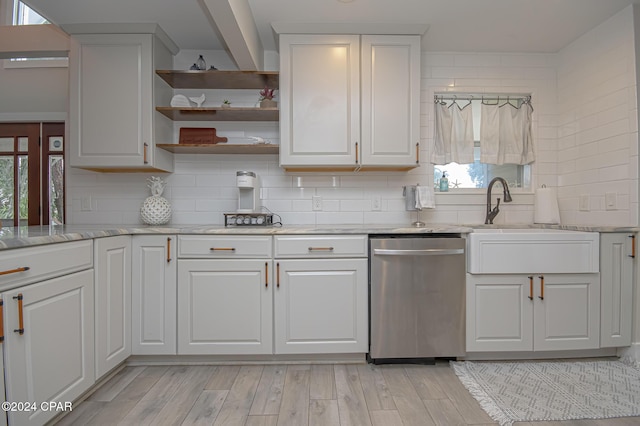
(424, 252)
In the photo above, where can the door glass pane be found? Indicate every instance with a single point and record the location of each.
(23, 189)
(56, 189)
(6, 190)
(6, 144)
(23, 144)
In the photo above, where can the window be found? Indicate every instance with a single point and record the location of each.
(31, 171)
(477, 174)
(23, 15)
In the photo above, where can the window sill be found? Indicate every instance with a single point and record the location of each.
(479, 197)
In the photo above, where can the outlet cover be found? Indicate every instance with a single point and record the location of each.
(376, 203)
(316, 203)
(85, 204)
(611, 201)
(583, 203)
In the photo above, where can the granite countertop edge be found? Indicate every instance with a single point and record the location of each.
(18, 237)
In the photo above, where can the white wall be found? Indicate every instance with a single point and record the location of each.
(31, 93)
(203, 187)
(585, 126)
(597, 125)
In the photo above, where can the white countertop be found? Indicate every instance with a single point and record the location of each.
(15, 237)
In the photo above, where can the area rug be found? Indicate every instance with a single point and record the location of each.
(536, 391)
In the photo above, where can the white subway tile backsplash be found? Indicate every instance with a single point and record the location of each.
(585, 127)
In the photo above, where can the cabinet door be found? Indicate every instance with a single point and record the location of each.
(499, 313)
(616, 290)
(154, 295)
(112, 302)
(53, 359)
(568, 315)
(224, 307)
(390, 100)
(321, 306)
(319, 100)
(111, 104)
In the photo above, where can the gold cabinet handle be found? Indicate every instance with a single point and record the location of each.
(357, 156)
(530, 287)
(168, 249)
(14, 271)
(417, 152)
(20, 329)
(278, 274)
(1, 320)
(266, 274)
(541, 297)
(320, 248)
(633, 246)
(222, 249)
(144, 153)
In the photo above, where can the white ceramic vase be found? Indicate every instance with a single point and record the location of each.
(156, 210)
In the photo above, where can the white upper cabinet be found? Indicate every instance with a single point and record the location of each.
(349, 102)
(113, 125)
(319, 100)
(390, 114)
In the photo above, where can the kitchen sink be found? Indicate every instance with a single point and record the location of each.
(531, 250)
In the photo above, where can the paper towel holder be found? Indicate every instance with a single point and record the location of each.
(409, 193)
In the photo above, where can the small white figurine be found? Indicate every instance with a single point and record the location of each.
(198, 101)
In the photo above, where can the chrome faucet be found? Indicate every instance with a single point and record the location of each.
(492, 213)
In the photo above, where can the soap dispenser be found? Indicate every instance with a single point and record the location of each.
(444, 182)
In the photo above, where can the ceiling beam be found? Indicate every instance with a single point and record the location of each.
(33, 41)
(235, 23)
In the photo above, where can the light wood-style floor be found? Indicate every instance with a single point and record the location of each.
(295, 395)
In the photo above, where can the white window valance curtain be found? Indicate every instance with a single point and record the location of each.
(453, 140)
(505, 134)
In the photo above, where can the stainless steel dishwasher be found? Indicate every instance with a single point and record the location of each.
(417, 298)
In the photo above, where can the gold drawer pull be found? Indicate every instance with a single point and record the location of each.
(1, 320)
(320, 248)
(418, 153)
(278, 274)
(20, 329)
(633, 246)
(541, 297)
(530, 287)
(266, 274)
(168, 249)
(222, 249)
(357, 161)
(14, 271)
(144, 153)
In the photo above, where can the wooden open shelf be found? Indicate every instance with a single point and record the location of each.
(220, 114)
(220, 148)
(216, 79)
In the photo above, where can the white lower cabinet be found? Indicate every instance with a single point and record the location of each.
(154, 294)
(321, 306)
(112, 302)
(536, 312)
(52, 358)
(225, 306)
(617, 256)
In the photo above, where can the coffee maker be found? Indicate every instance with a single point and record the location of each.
(248, 192)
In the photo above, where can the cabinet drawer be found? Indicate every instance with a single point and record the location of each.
(221, 246)
(44, 262)
(321, 246)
